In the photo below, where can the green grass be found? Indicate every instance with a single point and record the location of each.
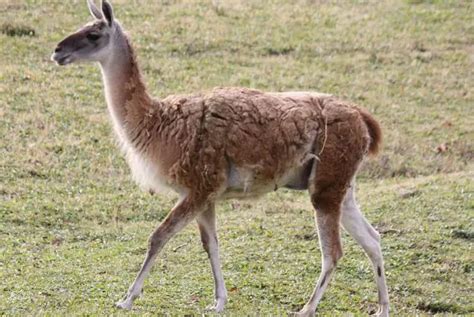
(73, 226)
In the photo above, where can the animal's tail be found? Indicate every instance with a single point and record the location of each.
(375, 132)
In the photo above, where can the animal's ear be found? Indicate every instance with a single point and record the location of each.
(95, 12)
(108, 12)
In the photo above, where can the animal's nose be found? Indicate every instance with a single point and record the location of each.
(58, 49)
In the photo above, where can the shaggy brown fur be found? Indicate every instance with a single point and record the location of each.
(233, 142)
(198, 140)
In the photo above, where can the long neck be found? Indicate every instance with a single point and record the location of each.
(125, 91)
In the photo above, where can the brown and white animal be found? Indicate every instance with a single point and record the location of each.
(233, 142)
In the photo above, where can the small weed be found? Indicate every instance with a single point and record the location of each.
(17, 30)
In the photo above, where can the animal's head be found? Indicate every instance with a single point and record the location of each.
(92, 42)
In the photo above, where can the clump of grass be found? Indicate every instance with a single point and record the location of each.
(438, 307)
(17, 30)
(276, 51)
(463, 234)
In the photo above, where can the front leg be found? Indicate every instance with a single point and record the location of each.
(207, 227)
(177, 219)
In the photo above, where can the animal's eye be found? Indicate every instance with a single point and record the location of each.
(93, 37)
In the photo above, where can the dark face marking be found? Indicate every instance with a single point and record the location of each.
(83, 42)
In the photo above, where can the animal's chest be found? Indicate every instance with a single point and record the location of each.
(147, 173)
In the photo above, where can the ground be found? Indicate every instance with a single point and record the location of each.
(73, 226)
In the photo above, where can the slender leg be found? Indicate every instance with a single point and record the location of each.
(177, 219)
(368, 238)
(207, 227)
(330, 243)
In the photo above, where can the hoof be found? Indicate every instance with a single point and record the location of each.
(218, 306)
(124, 305)
(304, 313)
(383, 311)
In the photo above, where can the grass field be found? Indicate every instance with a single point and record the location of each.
(73, 226)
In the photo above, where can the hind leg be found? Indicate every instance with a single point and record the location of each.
(368, 238)
(328, 219)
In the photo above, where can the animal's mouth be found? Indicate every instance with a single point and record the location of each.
(62, 59)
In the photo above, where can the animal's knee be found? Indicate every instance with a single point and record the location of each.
(373, 250)
(331, 259)
(155, 242)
